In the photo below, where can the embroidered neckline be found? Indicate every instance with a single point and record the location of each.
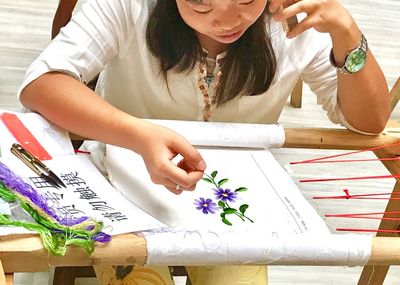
(219, 56)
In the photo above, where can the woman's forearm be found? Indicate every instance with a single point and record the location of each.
(363, 96)
(74, 107)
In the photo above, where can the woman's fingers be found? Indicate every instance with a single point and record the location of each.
(302, 26)
(327, 16)
(185, 165)
(188, 171)
(166, 173)
(275, 5)
(190, 154)
(186, 180)
(173, 190)
(158, 153)
(174, 187)
(295, 9)
(170, 175)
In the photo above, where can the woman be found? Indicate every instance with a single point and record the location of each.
(211, 60)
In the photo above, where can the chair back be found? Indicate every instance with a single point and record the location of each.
(62, 16)
(395, 93)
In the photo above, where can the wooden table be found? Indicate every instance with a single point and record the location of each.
(25, 253)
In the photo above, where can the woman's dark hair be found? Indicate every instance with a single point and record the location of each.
(249, 65)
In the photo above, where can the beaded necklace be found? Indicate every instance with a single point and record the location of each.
(206, 77)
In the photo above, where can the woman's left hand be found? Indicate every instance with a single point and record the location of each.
(325, 16)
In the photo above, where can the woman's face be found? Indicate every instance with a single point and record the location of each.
(222, 20)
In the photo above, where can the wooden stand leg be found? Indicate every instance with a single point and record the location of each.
(395, 93)
(180, 271)
(375, 275)
(67, 275)
(9, 279)
(2, 275)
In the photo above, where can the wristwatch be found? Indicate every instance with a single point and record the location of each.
(355, 59)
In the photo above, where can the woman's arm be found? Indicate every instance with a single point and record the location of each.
(74, 107)
(363, 96)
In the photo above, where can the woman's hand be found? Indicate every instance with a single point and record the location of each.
(159, 146)
(325, 16)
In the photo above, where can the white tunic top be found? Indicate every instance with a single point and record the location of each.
(109, 36)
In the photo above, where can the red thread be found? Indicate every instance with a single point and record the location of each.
(361, 196)
(366, 216)
(362, 217)
(81, 151)
(349, 178)
(366, 230)
(352, 197)
(349, 160)
(373, 213)
(343, 154)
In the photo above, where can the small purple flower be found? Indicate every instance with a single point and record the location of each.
(205, 205)
(225, 195)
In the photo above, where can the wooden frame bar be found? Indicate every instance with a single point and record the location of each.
(322, 138)
(25, 253)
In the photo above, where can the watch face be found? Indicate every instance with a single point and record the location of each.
(355, 60)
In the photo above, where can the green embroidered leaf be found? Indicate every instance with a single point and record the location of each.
(207, 180)
(214, 174)
(243, 208)
(222, 215)
(225, 221)
(223, 181)
(241, 189)
(221, 204)
(229, 211)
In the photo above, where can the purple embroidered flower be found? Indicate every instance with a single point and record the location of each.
(205, 205)
(225, 195)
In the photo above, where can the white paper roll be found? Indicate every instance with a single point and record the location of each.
(227, 134)
(200, 248)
